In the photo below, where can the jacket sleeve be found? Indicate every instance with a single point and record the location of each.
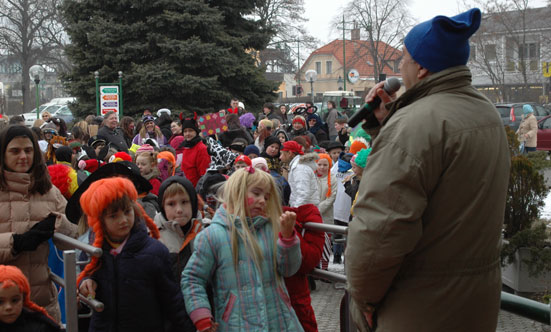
(170, 297)
(195, 276)
(62, 224)
(532, 127)
(304, 187)
(289, 257)
(329, 201)
(387, 223)
(311, 243)
(6, 246)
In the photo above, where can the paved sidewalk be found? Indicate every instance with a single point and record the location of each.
(326, 302)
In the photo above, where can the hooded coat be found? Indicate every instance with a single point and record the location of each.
(429, 213)
(303, 180)
(528, 127)
(195, 159)
(138, 288)
(245, 298)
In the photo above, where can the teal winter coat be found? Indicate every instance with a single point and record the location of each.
(245, 298)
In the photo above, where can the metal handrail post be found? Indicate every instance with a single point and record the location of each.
(70, 276)
(524, 307)
(315, 226)
(74, 243)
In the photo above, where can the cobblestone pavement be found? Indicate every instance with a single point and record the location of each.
(326, 301)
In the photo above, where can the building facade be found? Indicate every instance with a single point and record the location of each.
(509, 55)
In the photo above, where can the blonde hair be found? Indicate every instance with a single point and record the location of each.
(235, 196)
(151, 156)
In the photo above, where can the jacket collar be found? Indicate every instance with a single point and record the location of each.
(448, 79)
(18, 182)
(221, 218)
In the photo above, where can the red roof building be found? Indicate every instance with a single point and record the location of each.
(328, 63)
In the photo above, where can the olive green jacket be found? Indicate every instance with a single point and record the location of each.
(424, 244)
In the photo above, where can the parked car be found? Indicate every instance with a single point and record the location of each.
(511, 113)
(57, 107)
(544, 134)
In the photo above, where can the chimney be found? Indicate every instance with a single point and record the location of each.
(355, 32)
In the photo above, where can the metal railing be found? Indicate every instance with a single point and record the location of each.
(515, 304)
(69, 282)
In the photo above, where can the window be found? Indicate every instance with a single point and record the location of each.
(509, 54)
(490, 52)
(328, 67)
(318, 67)
(528, 55)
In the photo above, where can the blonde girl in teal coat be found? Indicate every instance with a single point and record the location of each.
(245, 262)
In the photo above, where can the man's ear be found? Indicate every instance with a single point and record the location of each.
(422, 72)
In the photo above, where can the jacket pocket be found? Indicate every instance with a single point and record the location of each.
(229, 308)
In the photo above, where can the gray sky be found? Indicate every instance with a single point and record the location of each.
(321, 12)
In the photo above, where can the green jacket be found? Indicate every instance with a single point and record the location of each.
(424, 244)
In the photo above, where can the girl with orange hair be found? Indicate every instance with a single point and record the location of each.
(328, 192)
(17, 311)
(133, 278)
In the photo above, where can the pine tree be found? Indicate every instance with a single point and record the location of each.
(179, 54)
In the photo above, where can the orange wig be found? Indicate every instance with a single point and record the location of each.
(328, 158)
(11, 276)
(96, 199)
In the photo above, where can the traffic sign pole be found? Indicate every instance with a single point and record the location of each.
(120, 94)
(96, 76)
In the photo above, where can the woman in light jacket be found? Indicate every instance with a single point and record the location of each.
(527, 132)
(32, 210)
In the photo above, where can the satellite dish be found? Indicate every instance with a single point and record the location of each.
(311, 75)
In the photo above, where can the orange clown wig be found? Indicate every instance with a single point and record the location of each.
(96, 199)
(11, 276)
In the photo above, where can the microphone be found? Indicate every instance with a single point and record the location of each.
(392, 85)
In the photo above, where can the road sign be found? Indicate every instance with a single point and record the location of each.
(109, 93)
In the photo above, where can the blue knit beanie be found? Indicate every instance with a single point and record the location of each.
(527, 109)
(443, 42)
(251, 149)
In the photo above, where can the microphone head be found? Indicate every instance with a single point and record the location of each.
(392, 85)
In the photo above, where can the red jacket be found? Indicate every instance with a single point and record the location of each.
(311, 247)
(195, 161)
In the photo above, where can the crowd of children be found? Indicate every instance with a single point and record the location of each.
(220, 216)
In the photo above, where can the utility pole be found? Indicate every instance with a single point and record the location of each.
(344, 75)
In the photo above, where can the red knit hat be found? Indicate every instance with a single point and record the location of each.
(292, 146)
(11, 276)
(90, 165)
(244, 159)
(299, 119)
(96, 199)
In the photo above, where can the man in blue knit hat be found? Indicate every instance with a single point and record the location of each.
(424, 245)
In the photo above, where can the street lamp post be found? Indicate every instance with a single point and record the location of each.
(37, 73)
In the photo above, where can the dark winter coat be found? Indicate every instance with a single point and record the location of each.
(30, 321)
(311, 247)
(138, 289)
(227, 137)
(115, 137)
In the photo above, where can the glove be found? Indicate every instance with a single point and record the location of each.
(32, 238)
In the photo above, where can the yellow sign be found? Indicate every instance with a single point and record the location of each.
(546, 67)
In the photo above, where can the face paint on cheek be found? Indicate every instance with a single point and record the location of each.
(250, 201)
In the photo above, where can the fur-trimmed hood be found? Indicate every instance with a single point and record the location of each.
(309, 159)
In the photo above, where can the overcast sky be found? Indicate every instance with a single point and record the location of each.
(321, 12)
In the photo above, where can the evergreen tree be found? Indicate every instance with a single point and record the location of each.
(180, 54)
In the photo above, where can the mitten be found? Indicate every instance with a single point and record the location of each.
(32, 238)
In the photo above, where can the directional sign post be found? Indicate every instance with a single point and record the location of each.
(109, 96)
